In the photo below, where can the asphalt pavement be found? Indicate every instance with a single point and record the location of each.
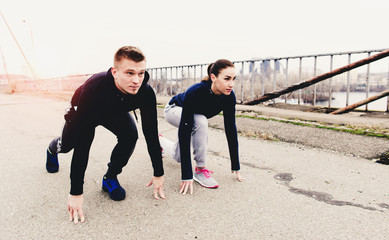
(291, 190)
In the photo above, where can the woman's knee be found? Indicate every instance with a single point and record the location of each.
(200, 123)
(172, 114)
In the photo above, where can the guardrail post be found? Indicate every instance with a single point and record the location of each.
(161, 82)
(171, 80)
(242, 84)
(263, 70)
(187, 77)
(252, 79)
(314, 86)
(165, 82)
(176, 87)
(182, 79)
(300, 67)
(367, 83)
(275, 78)
(194, 74)
(348, 81)
(201, 72)
(387, 103)
(151, 76)
(286, 77)
(155, 78)
(330, 85)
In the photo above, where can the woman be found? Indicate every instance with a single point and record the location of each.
(189, 111)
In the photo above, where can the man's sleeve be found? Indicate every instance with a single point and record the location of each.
(148, 111)
(83, 131)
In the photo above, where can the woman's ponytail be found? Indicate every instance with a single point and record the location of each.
(205, 79)
(209, 72)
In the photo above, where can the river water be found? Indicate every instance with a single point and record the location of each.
(339, 100)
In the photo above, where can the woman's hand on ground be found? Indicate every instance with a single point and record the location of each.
(240, 179)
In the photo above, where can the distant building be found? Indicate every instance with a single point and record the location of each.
(375, 79)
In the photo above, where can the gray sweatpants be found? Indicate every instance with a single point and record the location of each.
(199, 138)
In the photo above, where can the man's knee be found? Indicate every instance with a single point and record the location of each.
(57, 146)
(130, 138)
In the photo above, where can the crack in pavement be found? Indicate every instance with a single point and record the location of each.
(252, 165)
(384, 205)
(286, 178)
(319, 196)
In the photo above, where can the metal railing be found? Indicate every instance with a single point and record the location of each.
(258, 76)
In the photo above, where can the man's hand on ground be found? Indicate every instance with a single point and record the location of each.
(158, 187)
(75, 208)
(185, 185)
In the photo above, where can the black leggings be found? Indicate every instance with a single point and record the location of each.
(80, 139)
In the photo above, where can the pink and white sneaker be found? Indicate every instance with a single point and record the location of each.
(203, 177)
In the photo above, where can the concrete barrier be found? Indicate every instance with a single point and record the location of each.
(23, 83)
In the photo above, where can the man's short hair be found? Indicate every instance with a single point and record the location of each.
(130, 53)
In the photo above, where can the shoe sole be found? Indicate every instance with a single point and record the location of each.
(52, 171)
(199, 182)
(107, 191)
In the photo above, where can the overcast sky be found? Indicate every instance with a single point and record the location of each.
(81, 36)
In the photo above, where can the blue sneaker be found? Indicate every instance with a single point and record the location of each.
(52, 164)
(112, 186)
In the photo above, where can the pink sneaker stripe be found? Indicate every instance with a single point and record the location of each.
(204, 171)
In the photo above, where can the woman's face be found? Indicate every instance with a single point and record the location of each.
(224, 82)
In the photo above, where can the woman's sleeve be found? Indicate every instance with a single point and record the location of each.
(231, 132)
(184, 136)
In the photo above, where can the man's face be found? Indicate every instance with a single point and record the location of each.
(129, 75)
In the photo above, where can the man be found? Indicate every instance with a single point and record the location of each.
(105, 99)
